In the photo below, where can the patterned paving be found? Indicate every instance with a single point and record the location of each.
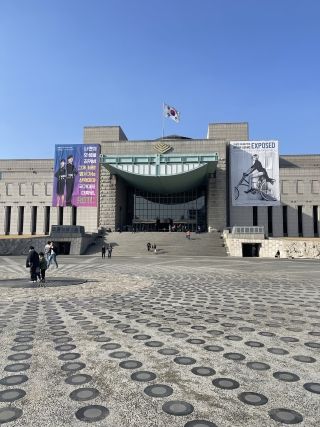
(203, 346)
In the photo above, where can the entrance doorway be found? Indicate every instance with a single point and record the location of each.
(251, 249)
(167, 212)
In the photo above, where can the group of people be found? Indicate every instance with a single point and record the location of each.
(65, 181)
(152, 247)
(105, 249)
(40, 262)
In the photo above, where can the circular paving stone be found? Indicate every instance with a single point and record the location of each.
(103, 339)
(246, 329)
(78, 379)
(82, 394)
(165, 329)
(19, 356)
(14, 380)
(278, 351)
(258, 366)
(177, 408)
(200, 423)
(65, 347)
(267, 334)
(285, 416)
(225, 383)
(195, 341)
(143, 376)
(168, 351)
(312, 344)
(59, 333)
(234, 356)
(203, 371)
(154, 344)
(25, 333)
(312, 387)
(254, 399)
(304, 359)
(69, 356)
(22, 347)
(130, 364)
(183, 360)
(158, 390)
(286, 376)
(92, 413)
(289, 339)
(111, 346)
(314, 334)
(255, 344)
(11, 395)
(17, 367)
(120, 354)
(213, 348)
(142, 337)
(73, 366)
(9, 414)
(233, 338)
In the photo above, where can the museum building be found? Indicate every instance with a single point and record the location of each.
(170, 183)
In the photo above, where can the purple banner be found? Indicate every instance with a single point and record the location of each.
(76, 175)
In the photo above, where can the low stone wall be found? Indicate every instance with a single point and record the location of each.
(298, 248)
(20, 246)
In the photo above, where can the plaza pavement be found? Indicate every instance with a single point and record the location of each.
(163, 341)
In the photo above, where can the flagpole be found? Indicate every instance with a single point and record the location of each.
(163, 104)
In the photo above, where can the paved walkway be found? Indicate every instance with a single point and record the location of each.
(201, 343)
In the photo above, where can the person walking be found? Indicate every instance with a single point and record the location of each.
(43, 266)
(47, 250)
(148, 246)
(103, 251)
(32, 262)
(188, 235)
(53, 255)
(109, 251)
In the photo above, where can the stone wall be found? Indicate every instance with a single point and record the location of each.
(289, 248)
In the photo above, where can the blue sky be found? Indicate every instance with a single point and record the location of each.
(66, 64)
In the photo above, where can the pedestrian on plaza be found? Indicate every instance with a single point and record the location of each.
(277, 255)
(103, 251)
(148, 246)
(32, 262)
(47, 250)
(188, 234)
(53, 255)
(43, 266)
(109, 251)
(155, 248)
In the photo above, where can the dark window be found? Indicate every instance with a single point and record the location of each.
(315, 221)
(20, 219)
(8, 220)
(300, 228)
(60, 215)
(255, 215)
(34, 213)
(285, 220)
(154, 211)
(47, 220)
(74, 215)
(270, 221)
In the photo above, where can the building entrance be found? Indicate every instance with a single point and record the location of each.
(167, 212)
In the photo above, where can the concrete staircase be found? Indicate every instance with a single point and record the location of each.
(135, 244)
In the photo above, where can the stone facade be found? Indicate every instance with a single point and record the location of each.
(26, 188)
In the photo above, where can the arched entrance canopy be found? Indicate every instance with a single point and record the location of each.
(161, 173)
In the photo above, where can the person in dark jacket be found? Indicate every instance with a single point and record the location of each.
(61, 182)
(71, 172)
(33, 263)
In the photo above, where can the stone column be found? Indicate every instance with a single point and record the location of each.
(216, 198)
(107, 212)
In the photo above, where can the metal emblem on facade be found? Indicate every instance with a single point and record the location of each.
(162, 147)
